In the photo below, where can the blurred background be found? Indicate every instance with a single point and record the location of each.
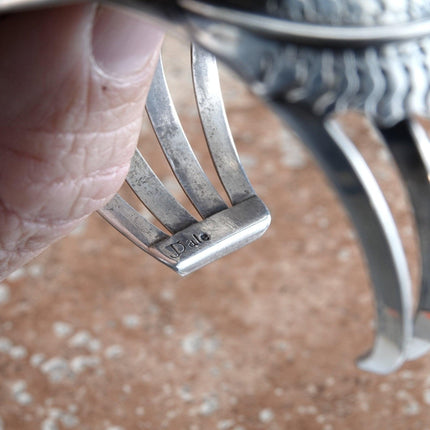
(97, 335)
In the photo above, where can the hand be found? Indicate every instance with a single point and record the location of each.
(73, 84)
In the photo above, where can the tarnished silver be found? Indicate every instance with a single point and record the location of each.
(308, 60)
(193, 243)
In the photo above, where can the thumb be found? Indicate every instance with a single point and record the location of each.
(73, 84)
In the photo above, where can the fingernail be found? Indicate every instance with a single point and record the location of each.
(123, 44)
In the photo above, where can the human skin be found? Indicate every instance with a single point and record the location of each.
(73, 84)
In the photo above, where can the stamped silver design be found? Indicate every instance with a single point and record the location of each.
(192, 243)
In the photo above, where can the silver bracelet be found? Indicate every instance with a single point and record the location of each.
(308, 60)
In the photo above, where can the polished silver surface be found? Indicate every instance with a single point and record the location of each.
(193, 243)
(155, 197)
(410, 147)
(368, 210)
(177, 149)
(214, 122)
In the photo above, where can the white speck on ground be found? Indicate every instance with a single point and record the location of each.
(69, 420)
(266, 416)
(384, 387)
(19, 386)
(114, 351)
(126, 389)
(81, 339)
(426, 396)
(406, 374)
(57, 369)
(225, 424)
(411, 406)
(320, 419)
(23, 398)
(20, 394)
(114, 428)
(131, 321)
(4, 294)
(83, 362)
(211, 345)
(1, 424)
(192, 343)
(185, 393)
(330, 381)
(312, 389)
(35, 270)
(5, 344)
(18, 352)
(168, 330)
(167, 295)
(62, 329)
(209, 405)
(37, 359)
(49, 424)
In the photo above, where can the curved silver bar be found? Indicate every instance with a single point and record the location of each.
(154, 195)
(410, 146)
(214, 121)
(309, 33)
(175, 145)
(131, 223)
(363, 199)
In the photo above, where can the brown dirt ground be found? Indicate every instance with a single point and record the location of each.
(95, 334)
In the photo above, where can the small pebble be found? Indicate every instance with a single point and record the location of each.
(114, 351)
(69, 420)
(37, 359)
(24, 398)
(62, 329)
(225, 425)
(80, 340)
(266, 416)
(49, 424)
(192, 343)
(209, 406)
(426, 396)
(35, 270)
(56, 368)
(185, 393)
(5, 344)
(81, 363)
(18, 352)
(131, 321)
(19, 386)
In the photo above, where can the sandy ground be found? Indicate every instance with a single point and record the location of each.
(95, 334)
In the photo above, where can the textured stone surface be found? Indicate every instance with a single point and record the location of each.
(96, 335)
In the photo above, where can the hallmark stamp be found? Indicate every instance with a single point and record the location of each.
(176, 249)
